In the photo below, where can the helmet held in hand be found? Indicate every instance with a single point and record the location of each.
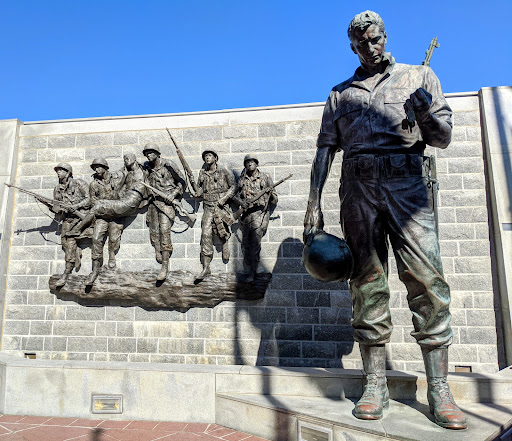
(328, 258)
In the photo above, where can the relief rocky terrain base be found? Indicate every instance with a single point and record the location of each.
(179, 291)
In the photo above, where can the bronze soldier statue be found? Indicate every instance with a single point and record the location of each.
(76, 193)
(216, 185)
(104, 187)
(131, 197)
(256, 215)
(385, 195)
(165, 177)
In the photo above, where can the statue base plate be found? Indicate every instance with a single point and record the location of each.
(179, 291)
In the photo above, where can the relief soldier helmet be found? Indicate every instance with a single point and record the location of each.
(251, 157)
(64, 166)
(328, 258)
(151, 147)
(99, 161)
(213, 152)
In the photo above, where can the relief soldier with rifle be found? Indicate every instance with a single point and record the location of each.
(75, 193)
(215, 186)
(385, 195)
(167, 185)
(255, 213)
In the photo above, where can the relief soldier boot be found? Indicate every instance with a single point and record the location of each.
(64, 278)
(442, 405)
(376, 395)
(162, 275)
(206, 267)
(96, 265)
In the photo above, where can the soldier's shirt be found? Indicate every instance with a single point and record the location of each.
(366, 114)
(73, 192)
(106, 188)
(216, 183)
(165, 176)
(250, 186)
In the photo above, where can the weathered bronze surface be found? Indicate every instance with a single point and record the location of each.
(164, 177)
(385, 196)
(257, 198)
(104, 187)
(216, 186)
(75, 194)
(178, 291)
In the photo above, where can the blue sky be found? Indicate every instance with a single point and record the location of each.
(78, 59)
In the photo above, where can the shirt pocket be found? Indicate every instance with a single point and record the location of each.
(394, 101)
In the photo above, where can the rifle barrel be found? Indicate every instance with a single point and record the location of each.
(184, 164)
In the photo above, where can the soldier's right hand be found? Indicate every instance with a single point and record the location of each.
(313, 223)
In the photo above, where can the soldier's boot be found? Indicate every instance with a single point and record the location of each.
(96, 265)
(225, 252)
(64, 278)
(442, 405)
(111, 259)
(206, 267)
(162, 275)
(375, 397)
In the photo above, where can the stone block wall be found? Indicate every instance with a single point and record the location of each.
(300, 322)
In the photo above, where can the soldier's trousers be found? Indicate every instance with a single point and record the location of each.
(377, 206)
(254, 226)
(160, 223)
(102, 227)
(69, 244)
(209, 227)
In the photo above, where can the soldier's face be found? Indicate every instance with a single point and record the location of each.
(99, 170)
(209, 158)
(250, 165)
(129, 160)
(369, 46)
(62, 173)
(152, 156)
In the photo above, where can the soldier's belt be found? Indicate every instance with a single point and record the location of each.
(212, 197)
(385, 166)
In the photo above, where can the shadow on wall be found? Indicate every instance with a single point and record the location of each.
(302, 323)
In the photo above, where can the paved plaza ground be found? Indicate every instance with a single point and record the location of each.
(32, 428)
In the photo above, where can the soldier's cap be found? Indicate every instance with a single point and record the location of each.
(151, 147)
(251, 157)
(99, 161)
(213, 152)
(64, 166)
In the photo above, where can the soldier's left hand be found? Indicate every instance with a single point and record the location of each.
(421, 100)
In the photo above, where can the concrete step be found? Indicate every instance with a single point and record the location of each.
(281, 418)
(348, 383)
